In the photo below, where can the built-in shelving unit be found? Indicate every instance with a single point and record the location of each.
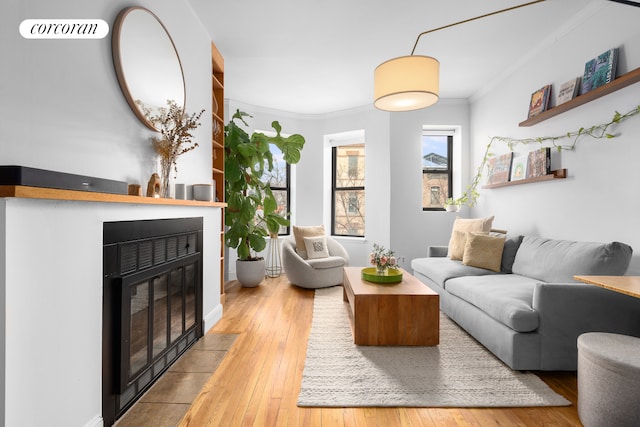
(617, 84)
(557, 174)
(217, 143)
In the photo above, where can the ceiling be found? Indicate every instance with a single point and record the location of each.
(318, 56)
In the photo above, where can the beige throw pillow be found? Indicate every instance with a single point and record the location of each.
(462, 225)
(316, 247)
(483, 251)
(456, 245)
(300, 232)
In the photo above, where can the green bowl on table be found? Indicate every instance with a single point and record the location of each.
(392, 275)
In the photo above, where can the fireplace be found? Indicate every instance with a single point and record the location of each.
(152, 304)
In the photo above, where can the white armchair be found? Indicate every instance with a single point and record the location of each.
(314, 273)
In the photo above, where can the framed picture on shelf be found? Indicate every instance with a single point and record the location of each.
(568, 91)
(519, 166)
(539, 163)
(499, 168)
(600, 70)
(539, 101)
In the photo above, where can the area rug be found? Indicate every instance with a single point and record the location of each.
(458, 373)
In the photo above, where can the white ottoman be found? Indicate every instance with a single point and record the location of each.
(608, 380)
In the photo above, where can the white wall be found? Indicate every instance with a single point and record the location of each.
(600, 199)
(62, 109)
(413, 229)
(61, 104)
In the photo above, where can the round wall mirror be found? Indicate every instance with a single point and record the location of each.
(146, 62)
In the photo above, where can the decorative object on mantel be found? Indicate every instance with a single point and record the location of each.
(382, 259)
(175, 126)
(153, 187)
(470, 196)
(180, 191)
(203, 192)
(135, 190)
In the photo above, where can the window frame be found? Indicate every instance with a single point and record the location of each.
(284, 231)
(335, 188)
(449, 170)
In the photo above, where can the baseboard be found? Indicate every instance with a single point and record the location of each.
(212, 318)
(97, 421)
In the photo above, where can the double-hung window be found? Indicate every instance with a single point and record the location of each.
(347, 190)
(437, 178)
(279, 180)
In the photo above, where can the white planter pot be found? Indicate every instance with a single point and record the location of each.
(451, 208)
(250, 273)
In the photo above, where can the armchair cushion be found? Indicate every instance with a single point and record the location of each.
(316, 247)
(300, 232)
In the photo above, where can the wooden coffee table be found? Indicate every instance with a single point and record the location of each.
(405, 313)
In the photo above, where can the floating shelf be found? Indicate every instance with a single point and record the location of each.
(557, 174)
(617, 84)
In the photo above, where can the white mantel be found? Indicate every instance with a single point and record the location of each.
(51, 303)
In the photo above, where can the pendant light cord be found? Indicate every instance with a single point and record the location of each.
(472, 19)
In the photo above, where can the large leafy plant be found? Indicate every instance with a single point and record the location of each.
(252, 210)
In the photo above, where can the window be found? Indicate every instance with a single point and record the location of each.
(347, 201)
(437, 182)
(280, 183)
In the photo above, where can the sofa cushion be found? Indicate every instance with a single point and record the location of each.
(329, 262)
(483, 251)
(441, 269)
(551, 260)
(507, 298)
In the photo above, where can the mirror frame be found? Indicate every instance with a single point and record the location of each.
(117, 61)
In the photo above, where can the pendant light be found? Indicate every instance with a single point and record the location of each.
(412, 82)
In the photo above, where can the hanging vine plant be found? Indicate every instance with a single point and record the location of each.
(566, 142)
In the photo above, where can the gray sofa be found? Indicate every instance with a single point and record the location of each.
(531, 313)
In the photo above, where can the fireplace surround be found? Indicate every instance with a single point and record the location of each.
(152, 304)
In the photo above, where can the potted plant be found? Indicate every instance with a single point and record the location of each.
(251, 213)
(451, 205)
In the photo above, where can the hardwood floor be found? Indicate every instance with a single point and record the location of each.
(258, 381)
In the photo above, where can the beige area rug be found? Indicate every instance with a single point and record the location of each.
(458, 373)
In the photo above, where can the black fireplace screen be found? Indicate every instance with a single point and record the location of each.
(152, 304)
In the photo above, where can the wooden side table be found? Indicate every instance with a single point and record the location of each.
(406, 313)
(628, 285)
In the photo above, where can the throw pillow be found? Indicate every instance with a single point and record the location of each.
(456, 246)
(300, 232)
(483, 251)
(468, 225)
(511, 245)
(316, 247)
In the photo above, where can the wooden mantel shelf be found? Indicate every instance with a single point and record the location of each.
(557, 174)
(617, 84)
(25, 192)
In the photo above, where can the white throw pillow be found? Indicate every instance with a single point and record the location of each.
(300, 232)
(316, 247)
